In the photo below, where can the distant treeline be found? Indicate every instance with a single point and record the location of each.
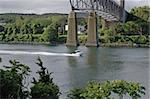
(31, 27)
(43, 28)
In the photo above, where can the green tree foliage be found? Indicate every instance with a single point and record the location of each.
(13, 83)
(129, 32)
(141, 12)
(50, 34)
(96, 90)
(30, 28)
(135, 30)
(82, 39)
(75, 94)
(44, 28)
(12, 80)
(131, 28)
(58, 21)
(44, 87)
(140, 15)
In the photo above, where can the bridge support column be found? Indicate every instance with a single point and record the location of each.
(72, 30)
(92, 39)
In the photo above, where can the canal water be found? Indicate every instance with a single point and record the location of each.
(100, 64)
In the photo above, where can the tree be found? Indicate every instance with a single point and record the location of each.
(50, 34)
(43, 26)
(131, 28)
(58, 21)
(141, 12)
(44, 87)
(118, 29)
(140, 16)
(12, 80)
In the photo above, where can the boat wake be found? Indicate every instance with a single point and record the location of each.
(38, 53)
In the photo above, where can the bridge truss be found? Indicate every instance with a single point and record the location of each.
(107, 9)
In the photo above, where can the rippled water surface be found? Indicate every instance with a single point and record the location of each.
(99, 64)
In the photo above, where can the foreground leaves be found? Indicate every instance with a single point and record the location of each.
(13, 80)
(44, 87)
(96, 90)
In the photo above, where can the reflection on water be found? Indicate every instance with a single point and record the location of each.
(92, 57)
(101, 64)
(72, 61)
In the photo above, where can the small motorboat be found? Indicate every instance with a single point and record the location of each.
(77, 52)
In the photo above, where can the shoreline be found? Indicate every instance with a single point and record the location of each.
(125, 45)
(100, 45)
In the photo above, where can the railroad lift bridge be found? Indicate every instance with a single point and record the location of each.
(109, 10)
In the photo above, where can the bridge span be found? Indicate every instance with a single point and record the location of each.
(109, 10)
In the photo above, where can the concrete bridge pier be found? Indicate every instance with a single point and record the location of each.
(72, 39)
(92, 39)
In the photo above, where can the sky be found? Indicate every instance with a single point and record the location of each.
(49, 6)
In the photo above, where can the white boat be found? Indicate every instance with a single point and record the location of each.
(77, 53)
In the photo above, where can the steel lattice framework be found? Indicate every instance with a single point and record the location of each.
(107, 9)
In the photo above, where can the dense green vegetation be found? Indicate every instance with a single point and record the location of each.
(135, 30)
(31, 28)
(96, 90)
(13, 84)
(49, 28)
